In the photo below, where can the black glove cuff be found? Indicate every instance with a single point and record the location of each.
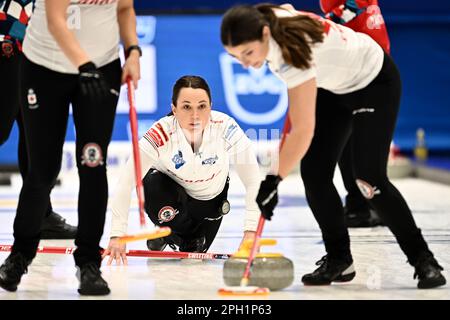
(87, 67)
(276, 179)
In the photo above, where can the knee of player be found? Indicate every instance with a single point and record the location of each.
(172, 216)
(370, 188)
(167, 214)
(155, 182)
(91, 156)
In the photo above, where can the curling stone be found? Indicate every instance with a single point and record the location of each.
(269, 270)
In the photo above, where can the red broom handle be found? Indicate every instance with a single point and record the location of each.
(251, 257)
(136, 154)
(136, 253)
(286, 129)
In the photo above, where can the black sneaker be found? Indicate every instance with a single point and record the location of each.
(91, 281)
(173, 240)
(429, 273)
(55, 227)
(193, 245)
(158, 244)
(11, 271)
(362, 218)
(330, 270)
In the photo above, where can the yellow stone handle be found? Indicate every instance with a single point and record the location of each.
(262, 242)
(244, 250)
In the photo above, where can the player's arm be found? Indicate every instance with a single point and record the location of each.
(243, 158)
(120, 203)
(57, 25)
(126, 17)
(302, 114)
(247, 168)
(127, 25)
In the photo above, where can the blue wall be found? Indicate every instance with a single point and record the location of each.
(422, 52)
(418, 7)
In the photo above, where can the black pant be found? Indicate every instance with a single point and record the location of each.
(167, 204)
(354, 200)
(9, 94)
(45, 99)
(10, 111)
(370, 115)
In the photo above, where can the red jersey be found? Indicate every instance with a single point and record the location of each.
(361, 16)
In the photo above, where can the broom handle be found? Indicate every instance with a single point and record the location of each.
(136, 154)
(286, 129)
(135, 253)
(251, 257)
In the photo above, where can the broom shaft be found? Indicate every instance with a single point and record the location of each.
(136, 154)
(135, 253)
(251, 257)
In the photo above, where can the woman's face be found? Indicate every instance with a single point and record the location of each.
(252, 54)
(193, 109)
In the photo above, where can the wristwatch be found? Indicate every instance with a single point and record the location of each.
(133, 47)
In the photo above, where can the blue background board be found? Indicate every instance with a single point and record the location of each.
(388, 6)
(190, 44)
(422, 53)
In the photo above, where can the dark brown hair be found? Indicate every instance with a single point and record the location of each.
(294, 35)
(194, 82)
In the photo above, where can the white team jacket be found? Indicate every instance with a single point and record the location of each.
(202, 174)
(95, 25)
(346, 61)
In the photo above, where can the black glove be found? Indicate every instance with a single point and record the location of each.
(267, 197)
(92, 82)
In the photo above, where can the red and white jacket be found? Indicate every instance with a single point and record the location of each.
(346, 61)
(95, 25)
(360, 15)
(202, 174)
